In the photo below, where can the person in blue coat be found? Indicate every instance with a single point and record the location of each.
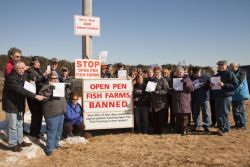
(73, 121)
(240, 95)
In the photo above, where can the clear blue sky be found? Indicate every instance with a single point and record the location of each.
(133, 31)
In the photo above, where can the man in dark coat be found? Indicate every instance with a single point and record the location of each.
(223, 96)
(14, 104)
(34, 74)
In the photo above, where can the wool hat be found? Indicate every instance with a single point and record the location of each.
(221, 62)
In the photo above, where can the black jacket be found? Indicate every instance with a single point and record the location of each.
(140, 95)
(230, 84)
(14, 93)
(34, 74)
(158, 98)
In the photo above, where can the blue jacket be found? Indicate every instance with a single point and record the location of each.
(230, 84)
(74, 114)
(241, 92)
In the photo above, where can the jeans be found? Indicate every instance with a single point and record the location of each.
(239, 113)
(54, 128)
(141, 118)
(14, 128)
(204, 107)
(222, 109)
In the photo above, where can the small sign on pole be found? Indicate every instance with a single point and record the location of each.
(87, 25)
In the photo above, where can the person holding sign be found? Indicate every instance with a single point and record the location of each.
(34, 74)
(223, 97)
(141, 105)
(200, 99)
(158, 100)
(181, 98)
(64, 78)
(53, 109)
(14, 105)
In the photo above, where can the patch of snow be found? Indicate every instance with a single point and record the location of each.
(36, 149)
(73, 140)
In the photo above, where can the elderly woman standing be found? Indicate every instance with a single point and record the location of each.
(158, 99)
(181, 99)
(53, 109)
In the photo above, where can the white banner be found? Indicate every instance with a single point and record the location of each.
(108, 104)
(107, 85)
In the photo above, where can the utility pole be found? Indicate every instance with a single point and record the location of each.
(86, 40)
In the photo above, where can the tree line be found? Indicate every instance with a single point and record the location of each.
(71, 65)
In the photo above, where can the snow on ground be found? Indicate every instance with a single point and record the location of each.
(36, 149)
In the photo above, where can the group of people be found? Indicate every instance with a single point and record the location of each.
(64, 115)
(197, 100)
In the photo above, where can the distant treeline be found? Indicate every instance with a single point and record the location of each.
(71, 66)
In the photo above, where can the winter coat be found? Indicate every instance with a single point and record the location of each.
(241, 92)
(158, 98)
(141, 95)
(202, 93)
(36, 75)
(8, 68)
(181, 99)
(52, 106)
(230, 84)
(14, 93)
(74, 114)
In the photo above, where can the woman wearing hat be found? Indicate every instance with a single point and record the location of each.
(53, 109)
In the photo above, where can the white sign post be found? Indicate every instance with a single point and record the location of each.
(87, 69)
(107, 104)
(87, 25)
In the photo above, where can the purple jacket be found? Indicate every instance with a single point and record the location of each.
(181, 99)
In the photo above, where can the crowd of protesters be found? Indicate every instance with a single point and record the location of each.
(163, 110)
(169, 110)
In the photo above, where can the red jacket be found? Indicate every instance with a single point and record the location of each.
(8, 68)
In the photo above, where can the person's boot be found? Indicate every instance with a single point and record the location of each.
(16, 148)
(24, 144)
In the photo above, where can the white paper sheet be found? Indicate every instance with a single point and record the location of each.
(59, 90)
(177, 84)
(151, 86)
(48, 69)
(103, 56)
(215, 81)
(122, 74)
(197, 84)
(30, 86)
